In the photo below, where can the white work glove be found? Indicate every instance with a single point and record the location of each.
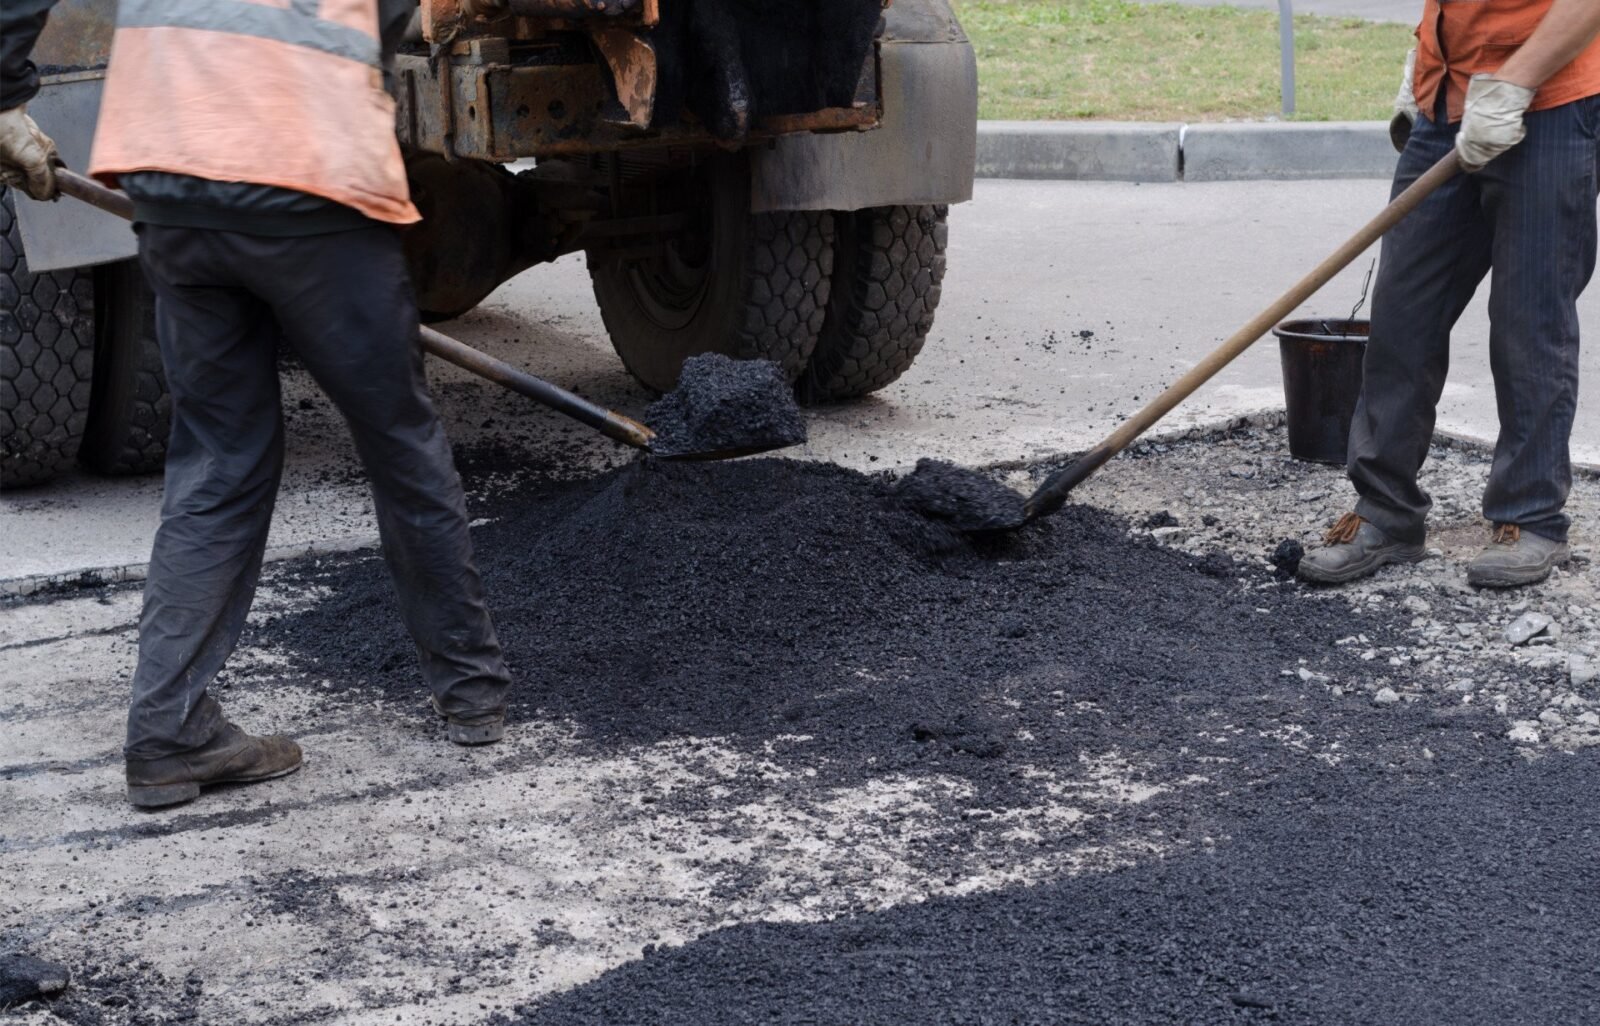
(1492, 123)
(28, 159)
(1405, 106)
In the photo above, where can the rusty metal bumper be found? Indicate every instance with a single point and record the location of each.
(482, 104)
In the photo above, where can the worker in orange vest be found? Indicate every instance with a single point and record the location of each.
(257, 142)
(1514, 87)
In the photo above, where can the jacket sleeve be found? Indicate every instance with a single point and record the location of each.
(21, 21)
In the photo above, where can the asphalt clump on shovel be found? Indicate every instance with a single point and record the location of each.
(724, 405)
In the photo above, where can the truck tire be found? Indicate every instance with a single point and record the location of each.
(130, 411)
(750, 286)
(888, 269)
(46, 359)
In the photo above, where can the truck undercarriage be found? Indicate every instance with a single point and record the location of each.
(766, 180)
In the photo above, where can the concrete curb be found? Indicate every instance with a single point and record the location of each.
(1115, 151)
(1126, 151)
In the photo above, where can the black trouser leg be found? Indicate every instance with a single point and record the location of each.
(345, 306)
(342, 301)
(224, 458)
(1431, 264)
(1540, 199)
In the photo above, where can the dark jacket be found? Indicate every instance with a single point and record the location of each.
(183, 200)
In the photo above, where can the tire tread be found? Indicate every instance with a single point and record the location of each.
(883, 303)
(46, 361)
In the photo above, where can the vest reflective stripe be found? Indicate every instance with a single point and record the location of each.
(297, 25)
(1461, 38)
(271, 93)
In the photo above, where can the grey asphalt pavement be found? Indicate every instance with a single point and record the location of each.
(1067, 306)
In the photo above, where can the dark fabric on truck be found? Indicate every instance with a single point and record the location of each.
(342, 304)
(21, 21)
(786, 56)
(1527, 221)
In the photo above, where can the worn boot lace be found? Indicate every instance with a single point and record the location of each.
(1507, 534)
(1343, 531)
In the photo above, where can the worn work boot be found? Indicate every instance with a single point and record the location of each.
(477, 729)
(1354, 548)
(1513, 558)
(232, 757)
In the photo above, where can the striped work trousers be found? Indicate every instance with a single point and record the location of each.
(1527, 221)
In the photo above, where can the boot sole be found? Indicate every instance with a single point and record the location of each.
(1503, 577)
(1366, 568)
(470, 734)
(154, 796)
(476, 733)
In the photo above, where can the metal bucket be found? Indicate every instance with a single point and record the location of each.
(1321, 383)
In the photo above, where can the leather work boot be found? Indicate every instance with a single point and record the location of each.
(1513, 558)
(232, 757)
(477, 729)
(1354, 548)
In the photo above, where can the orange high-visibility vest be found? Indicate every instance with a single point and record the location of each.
(1461, 38)
(274, 92)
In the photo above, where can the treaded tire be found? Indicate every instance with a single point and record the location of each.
(888, 269)
(755, 287)
(130, 412)
(46, 360)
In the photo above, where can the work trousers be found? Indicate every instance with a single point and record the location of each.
(343, 303)
(1528, 221)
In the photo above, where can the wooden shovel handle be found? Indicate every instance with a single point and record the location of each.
(1053, 493)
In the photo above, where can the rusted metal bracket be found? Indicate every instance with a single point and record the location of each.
(632, 60)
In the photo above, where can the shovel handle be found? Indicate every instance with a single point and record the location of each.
(1053, 493)
(93, 193)
(607, 422)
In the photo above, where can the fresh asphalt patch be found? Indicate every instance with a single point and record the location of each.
(1382, 899)
(1299, 854)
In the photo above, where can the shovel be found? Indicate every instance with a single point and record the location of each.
(1052, 495)
(608, 422)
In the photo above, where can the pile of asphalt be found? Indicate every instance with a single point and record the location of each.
(760, 597)
(721, 404)
(1331, 861)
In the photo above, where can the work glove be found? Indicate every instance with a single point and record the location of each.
(1492, 123)
(28, 158)
(1405, 106)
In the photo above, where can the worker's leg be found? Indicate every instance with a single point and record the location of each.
(223, 462)
(1540, 198)
(345, 304)
(1431, 263)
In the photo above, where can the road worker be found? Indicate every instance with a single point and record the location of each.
(257, 143)
(1514, 87)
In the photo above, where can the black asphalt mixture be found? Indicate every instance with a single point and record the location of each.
(721, 404)
(1324, 860)
(962, 498)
